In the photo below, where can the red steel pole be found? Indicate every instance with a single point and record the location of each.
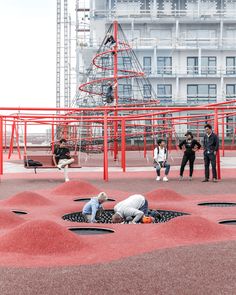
(5, 135)
(223, 135)
(53, 135)
(105, 152)
(17, 139)
(144, 143)
(1, 146)
(216, 129)
(12, 140)
(123, 145)
(115, 88)
(25, 139)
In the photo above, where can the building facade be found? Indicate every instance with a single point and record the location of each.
(187, 48)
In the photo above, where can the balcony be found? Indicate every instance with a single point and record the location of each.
(125, 13)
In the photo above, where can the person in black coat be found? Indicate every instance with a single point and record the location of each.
(211, 146)
(190, 146)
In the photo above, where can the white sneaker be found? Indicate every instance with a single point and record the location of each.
(67, 179)
(59, 167)
(165, 178)
(158, 178)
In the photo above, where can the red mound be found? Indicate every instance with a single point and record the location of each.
(194, 228)
(40, 238)
(76, 188)
(9, 219)
(28, 198)
(164, 195)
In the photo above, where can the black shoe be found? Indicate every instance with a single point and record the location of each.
(205, 180)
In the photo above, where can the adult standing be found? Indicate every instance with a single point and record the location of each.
(211, 146)
(190, 146)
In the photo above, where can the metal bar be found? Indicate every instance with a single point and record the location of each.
(123, 145)
(105, 153)
(216, 129)
(115, 30)
(1, 145)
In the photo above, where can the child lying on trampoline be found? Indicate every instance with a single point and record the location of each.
(132, 209)
(91, 208)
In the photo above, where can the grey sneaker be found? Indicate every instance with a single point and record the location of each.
(190, 178)
(181, 178)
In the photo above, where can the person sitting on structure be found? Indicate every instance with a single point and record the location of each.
(110, 41)
(133, 209)
(91, 208)
(62, 158)
(109, 93)
(160, 159)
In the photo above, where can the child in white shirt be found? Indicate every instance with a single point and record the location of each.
(160, 159)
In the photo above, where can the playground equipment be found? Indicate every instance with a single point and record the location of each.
(133, 121)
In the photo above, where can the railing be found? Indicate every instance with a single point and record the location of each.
(164, 13)
(191, 71)
(200, 99)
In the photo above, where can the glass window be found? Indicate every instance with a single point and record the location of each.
(208, 64)
(230, 91)
(105, 61)
(163, 36)
(126, 62)
(230, 65)
(192, 65)
(201, 93)
(192, 90)
(164, 65)
(164, 93)
(147, 90)
(125, 91)
(147, 65)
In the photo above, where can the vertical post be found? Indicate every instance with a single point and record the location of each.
(5, 134)
(223, 134)
(17, 139)
(123, 145)
(25, 139)
(115, 76)
(11, 145)
(1, 145)
(105, 152)
(144, 143)
(216, 129)
(53, 135)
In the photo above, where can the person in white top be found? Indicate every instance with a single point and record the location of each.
(160, 159)
(134, 208)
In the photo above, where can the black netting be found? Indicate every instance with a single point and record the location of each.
(106, 215)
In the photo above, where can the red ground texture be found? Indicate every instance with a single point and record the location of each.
(191, 254)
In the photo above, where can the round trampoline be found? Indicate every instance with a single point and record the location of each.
(106, 215)
(91, 231)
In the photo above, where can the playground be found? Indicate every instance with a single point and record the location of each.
(45, 246)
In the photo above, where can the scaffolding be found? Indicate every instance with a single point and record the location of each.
(64, 58)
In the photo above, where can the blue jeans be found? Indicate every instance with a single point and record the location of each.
(163, 165)
(144, 208)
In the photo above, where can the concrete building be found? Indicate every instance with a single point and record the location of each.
(187, 48)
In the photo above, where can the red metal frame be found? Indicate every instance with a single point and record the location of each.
(45, 116)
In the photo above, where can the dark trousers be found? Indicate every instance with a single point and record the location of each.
(144, 208)
(210, 158)
(186, 158)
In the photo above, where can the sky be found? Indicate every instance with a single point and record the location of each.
(27, 53)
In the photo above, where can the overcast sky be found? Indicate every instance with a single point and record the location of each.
(27, 52)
